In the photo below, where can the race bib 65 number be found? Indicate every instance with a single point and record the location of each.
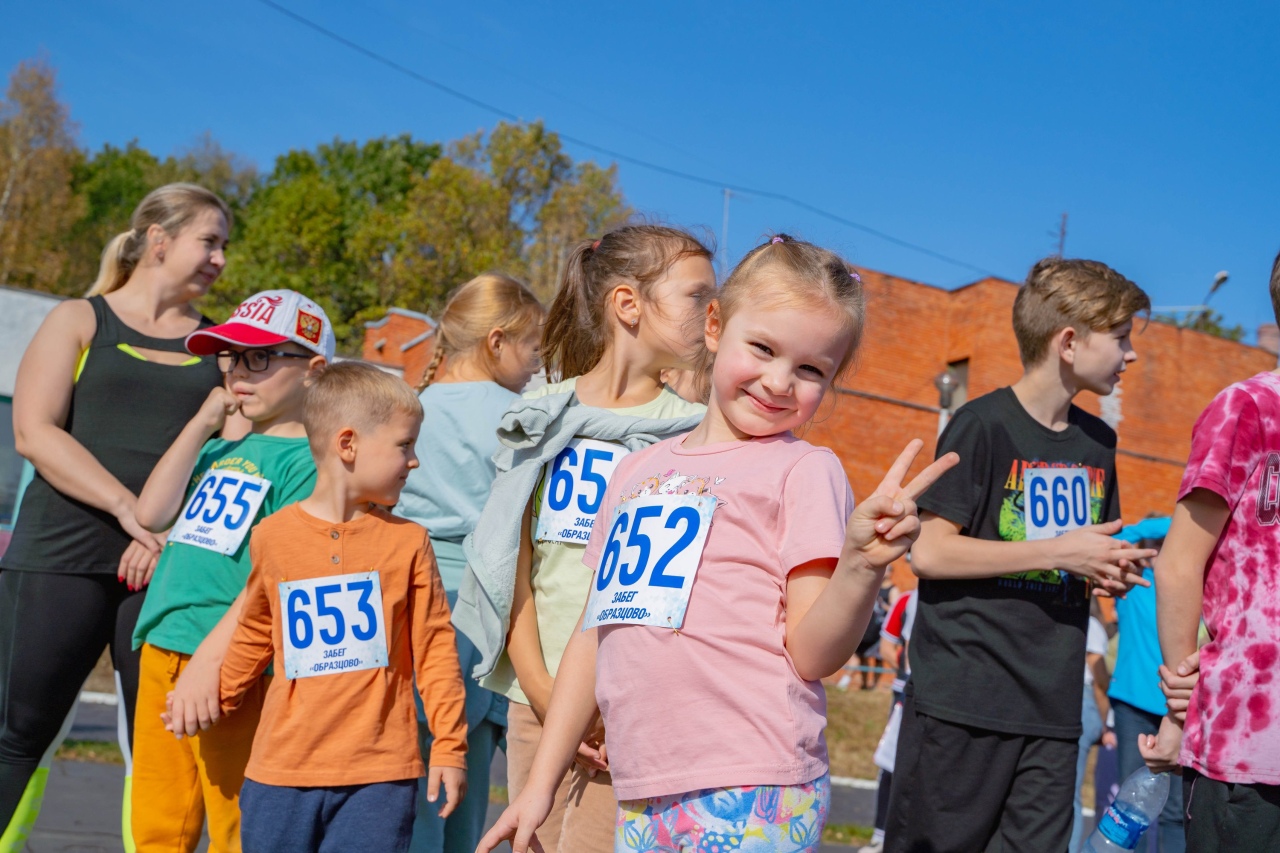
(220, 511)
(333, 624)
(1055, 500)
(649, 562)
(575, 488)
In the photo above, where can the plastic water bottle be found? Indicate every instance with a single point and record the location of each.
(1135, 808)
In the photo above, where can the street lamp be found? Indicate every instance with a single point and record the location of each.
(1218, 280)
(946, 384)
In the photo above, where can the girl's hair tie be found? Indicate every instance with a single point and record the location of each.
(595, 245)
(777, 240)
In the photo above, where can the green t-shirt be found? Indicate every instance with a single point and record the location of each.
(193, 586)
(559, 578)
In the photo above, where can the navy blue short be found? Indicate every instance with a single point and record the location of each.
(374, 817)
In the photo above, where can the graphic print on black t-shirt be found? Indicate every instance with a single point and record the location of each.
(1007, 653)
(1013, 524)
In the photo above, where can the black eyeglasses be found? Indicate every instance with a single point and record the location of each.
(255, 360)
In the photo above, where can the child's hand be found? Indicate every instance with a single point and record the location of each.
(1112, 564)
(518, 823)
(591, 755)
(886, 524)
(1160, 751)
(195, 703)
(1177, 686)
(217, 406)
(455, 787)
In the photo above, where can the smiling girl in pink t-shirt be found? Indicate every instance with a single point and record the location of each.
(732, 572)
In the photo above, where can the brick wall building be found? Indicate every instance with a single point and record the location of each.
(404, 340)
(916, 331)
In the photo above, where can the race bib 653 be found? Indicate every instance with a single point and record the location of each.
(220, 511)
(649, 561)
(332, 624)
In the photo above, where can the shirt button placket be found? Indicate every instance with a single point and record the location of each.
(336, 536)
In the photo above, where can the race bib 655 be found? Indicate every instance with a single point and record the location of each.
(649, 561)
(332, 624)
(220, 511)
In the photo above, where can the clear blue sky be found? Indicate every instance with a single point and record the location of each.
(965, 128)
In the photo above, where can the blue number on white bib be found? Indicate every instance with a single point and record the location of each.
(575, 489)
(648, 564)
(1055, 500)
(333, 624)
(220, 511)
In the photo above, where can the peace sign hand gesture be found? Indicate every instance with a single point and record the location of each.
(884, 526)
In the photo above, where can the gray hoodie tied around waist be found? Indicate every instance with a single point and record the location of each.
(532, 433)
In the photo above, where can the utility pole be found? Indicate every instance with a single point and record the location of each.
(1062, 235)
(724, 237)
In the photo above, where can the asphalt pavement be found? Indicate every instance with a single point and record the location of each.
(81, 811)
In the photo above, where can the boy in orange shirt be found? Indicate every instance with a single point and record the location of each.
(346, 600)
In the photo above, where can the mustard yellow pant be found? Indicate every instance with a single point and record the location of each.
(177, 784)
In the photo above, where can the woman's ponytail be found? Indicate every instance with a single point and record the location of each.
(171, 207)
(119, 259)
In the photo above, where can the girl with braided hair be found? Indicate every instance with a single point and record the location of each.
(486, 348)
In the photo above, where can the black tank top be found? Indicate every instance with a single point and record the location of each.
(126, 411)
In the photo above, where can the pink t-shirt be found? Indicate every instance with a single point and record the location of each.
(1233, 724)
(719, 704)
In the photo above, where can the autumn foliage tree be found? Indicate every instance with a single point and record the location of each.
(37, 154)
(357, 226)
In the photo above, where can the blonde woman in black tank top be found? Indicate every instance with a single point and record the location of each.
(102, 391)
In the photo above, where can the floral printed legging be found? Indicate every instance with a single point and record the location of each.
(754, 819)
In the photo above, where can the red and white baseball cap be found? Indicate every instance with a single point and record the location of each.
(266, 318)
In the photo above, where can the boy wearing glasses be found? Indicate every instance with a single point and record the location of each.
(209, 493)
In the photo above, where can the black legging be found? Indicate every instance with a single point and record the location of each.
(53, 628)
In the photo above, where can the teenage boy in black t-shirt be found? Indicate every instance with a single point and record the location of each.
(1010, 538)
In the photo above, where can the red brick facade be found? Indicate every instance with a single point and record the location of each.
(914, 331)
(402, 339)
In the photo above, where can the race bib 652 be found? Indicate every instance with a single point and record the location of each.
(220, 511)
(649, 561)
(332, 624)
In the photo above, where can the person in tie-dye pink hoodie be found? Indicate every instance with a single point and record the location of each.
(1222, 559)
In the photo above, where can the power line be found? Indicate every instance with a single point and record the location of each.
(618, 155)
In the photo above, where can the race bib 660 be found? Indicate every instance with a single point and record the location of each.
(649, 561)
(220, 511)
(575, 488)
(333, 624)
(1055, 500)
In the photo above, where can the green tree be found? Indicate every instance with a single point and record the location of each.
(299, 227)
(1207, 321)
(511, 201)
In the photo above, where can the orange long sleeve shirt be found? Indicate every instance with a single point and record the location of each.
(333, 722)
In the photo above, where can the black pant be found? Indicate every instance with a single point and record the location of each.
(1226, 817)
(53, 628)
(961, 789)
